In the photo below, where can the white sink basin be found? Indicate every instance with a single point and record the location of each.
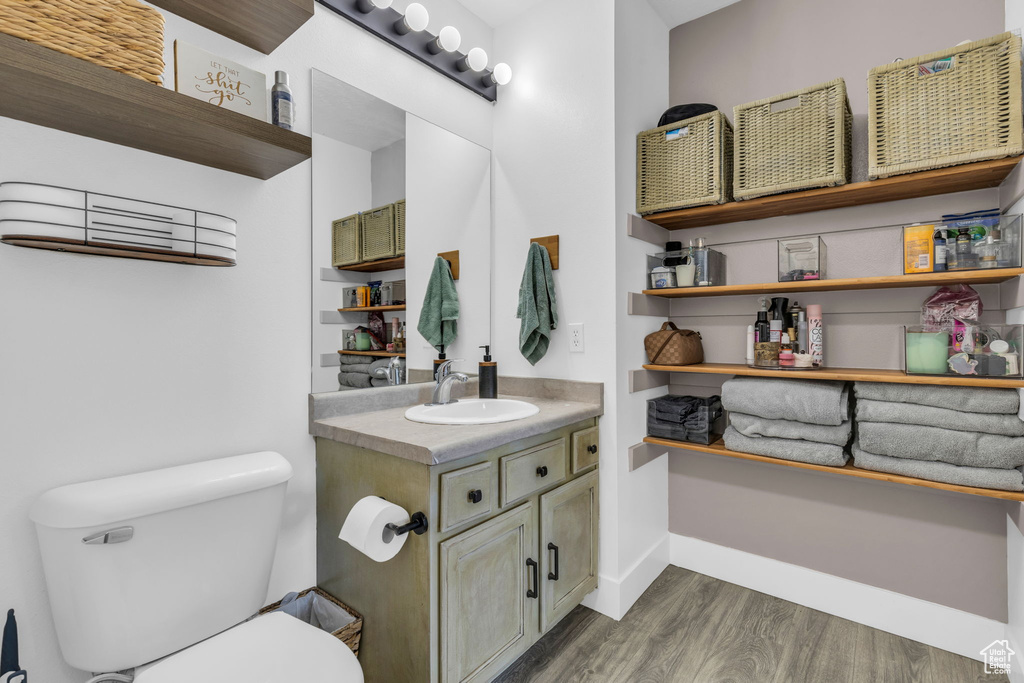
(473, 411)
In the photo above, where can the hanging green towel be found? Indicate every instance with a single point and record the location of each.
(538, 308)
(440, 307)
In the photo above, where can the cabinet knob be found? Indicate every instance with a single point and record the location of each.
(592, 448)
(476, 495)
(542, 471)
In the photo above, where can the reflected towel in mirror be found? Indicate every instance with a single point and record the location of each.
(438, 318)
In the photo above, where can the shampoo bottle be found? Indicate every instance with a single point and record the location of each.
(488, 375)
(281, 101)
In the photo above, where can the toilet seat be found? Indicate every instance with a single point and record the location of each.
(270, 649)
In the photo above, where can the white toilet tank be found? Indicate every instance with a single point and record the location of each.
(176, 555)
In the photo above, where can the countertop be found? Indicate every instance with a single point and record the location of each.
(343, 417)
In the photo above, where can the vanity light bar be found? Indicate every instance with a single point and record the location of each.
(407, 31)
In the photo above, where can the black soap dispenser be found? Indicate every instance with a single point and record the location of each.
(488, 375)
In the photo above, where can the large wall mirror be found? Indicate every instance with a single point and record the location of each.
(391, 192)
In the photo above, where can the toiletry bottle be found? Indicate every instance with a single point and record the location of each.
(951, 257)
(798, 316)
(816, 332)
(281, 102)
(441, 358)
(488, 375)
(750, 345)
(700, 259)
(786, 359)
(761, 326)
(964, 251)
(940, 250)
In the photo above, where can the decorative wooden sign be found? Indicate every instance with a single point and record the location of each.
(221, 82)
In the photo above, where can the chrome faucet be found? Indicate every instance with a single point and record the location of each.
(395, 371)
(443, 390)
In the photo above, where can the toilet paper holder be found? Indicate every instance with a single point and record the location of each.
(417, 524)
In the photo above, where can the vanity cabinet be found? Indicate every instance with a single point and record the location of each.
(510, 550)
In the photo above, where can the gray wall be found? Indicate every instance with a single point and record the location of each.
(942, 547)
(387, 174)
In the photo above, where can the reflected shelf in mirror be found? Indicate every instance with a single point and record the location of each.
(371, 309)
(378, 354)
(376, 266)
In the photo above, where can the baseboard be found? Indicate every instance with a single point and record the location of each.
(614, 597)
(926, 622)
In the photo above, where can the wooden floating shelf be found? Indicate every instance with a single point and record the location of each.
(145, 254)
(718, 448)
(973, 277)
(371, 309)
(260, 24)
(381, 354)
(976, 176)
(72, 95)
(376, 266)
(845, 374)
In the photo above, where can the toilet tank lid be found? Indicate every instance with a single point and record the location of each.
(131, 496)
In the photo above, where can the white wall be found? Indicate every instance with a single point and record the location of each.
(387, 169)
(112, 366)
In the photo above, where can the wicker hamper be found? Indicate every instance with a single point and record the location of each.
(794, 141)
(350, 635)
(687, 163)
(946, 108)
(123, 35)
(400, 228)
(346, 241)
(379, 233)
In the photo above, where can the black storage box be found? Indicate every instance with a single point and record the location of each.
(686, 418)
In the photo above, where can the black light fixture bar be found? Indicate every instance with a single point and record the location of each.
(381, 23)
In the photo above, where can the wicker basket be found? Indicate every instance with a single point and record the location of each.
(688, 163)
(123, 35)
(350, 635)
(794, 141)
(400, 228)
(346, 241)
(379, 233)
(946, 108)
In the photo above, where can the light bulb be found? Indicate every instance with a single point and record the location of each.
(416, 19)
(449, 39)
(367, 6)
(501, 75)
(475, 60)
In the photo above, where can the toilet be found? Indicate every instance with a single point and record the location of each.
(158, 572)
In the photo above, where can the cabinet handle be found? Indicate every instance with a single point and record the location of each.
(532, 593)
(475, 496)
(542, 471)
(592, 448)
(554, 575)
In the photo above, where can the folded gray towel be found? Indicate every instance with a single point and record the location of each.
(930, 416)
(356, 380)
(786, 449)
(751, 425)
(353, 360)
(967, 449)
(967, 399)
(982, 477)
(362, 368)
(381, 363)
(810, 401)
(378, 382)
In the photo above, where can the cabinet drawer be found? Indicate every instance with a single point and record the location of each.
(529, 471)
(466, 494)
(586, 449)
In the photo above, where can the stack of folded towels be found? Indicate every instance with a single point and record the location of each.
(970, 436)
(357, 373)
(802, 420)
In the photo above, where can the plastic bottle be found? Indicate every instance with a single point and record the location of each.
(816, 332)
(488, 375)
(281, 102)
(786, 358)
(940, 251)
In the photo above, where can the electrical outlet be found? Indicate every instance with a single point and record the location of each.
(576, 338)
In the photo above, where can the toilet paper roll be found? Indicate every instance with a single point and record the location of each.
(365, 528)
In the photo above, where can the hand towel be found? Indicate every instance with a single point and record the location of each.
(930, 416)
(440, 313)
(982, 477)
(812, 401)
(751, 425)
(967, 399)
(967, 449)
(538, 307)
(786, 449)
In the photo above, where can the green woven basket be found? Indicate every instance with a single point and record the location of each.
(379, 233)
(346, 241)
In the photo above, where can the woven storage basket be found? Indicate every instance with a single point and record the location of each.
(350, 635)
(346, 241)
(794, 141)
(690, 168)
(400, 228)
(924, 113)
(379, 233)
(123, 35)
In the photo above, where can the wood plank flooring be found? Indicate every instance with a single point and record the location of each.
(691, 628)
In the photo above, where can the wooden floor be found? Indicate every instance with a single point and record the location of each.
(689, 627)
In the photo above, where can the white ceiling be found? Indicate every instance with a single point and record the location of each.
(676, 12)
(350, 115)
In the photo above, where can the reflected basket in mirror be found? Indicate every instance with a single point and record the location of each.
(346, 241)
(379, 233)
(400, 228)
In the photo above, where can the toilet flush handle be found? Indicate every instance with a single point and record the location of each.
(119, 535)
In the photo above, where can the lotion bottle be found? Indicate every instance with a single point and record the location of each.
(488, 375)
(283, 109)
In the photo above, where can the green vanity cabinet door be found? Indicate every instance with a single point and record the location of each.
(568, 545)
(489, 596)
